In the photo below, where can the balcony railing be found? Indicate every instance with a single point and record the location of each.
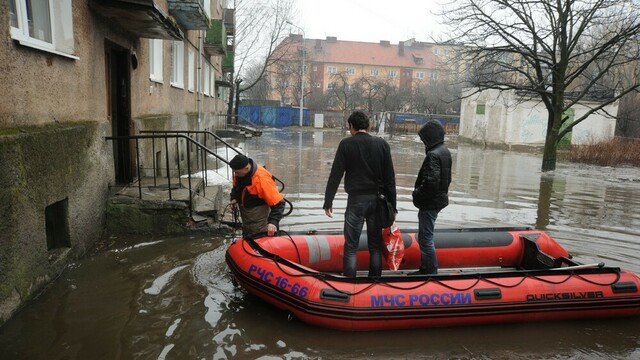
(189, 13)
(227, 62)
(215, 42)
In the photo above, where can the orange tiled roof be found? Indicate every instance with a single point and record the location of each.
(362, 53)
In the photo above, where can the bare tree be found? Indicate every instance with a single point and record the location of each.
(343, 91)
(260, 26)
(260, 91)
(563, 52)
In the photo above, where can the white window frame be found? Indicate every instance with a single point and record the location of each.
(351, 71)
(434, 75)
(332, 70)
(393, 74)
(374, 72)
(331, 86)
(207, 77)
(56, 15)
(419, 75)
(177, 64)
(155, 60)
(191, 82)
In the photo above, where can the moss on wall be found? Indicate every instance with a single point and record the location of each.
(134, 216)
(41, 165)
(154, 121)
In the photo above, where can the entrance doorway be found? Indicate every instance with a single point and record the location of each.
(119, 109)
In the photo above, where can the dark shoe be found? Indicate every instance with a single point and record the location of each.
(419, 272)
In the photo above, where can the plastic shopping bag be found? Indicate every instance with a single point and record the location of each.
(392, 246)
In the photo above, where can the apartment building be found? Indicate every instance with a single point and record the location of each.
(73, 74)
(334, 67)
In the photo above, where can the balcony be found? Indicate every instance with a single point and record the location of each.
(142, 18)
(189, 13)
(215, 43)
(230, 21)
(227, 62)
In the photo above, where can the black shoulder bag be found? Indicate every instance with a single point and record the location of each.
(386, 211)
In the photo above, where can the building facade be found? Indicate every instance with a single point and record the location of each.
(75, 72)
(340, 73)
(504, 119)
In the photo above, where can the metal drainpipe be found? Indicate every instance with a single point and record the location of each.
(199, 79)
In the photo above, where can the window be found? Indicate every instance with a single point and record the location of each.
(331, 86)
(393, 74)
(419, 75)
(43, 24)
(155, 60)
(351, 71)
(191, 80)
(212, 84)
(374, 72)
(206, 76)
(434, 75)
(316, 84)
(177, 64)
(206, 4)
(315, 67)
(332, 70)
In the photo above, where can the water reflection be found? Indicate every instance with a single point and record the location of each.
(171, 298)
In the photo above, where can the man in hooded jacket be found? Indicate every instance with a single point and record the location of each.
(430, 194)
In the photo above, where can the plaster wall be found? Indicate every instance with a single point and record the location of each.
(53, 123)
(510, 122)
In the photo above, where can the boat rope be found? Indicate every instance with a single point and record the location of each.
(283, 264)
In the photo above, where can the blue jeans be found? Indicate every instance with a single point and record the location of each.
(359, 209)
(426, 224)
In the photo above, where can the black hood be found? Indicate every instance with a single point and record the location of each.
(432, 133)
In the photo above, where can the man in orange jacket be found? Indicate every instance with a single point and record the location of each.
(255, 193)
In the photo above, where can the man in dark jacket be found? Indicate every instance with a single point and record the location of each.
(366, 160)
(255, 193)
(430, 194)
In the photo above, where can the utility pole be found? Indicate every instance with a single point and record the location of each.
(301, 72)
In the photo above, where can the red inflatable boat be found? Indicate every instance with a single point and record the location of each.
(485, 276)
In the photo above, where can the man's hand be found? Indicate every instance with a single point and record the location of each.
(329, 212)
(271, 229)
(234, 204)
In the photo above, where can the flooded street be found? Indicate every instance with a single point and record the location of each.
(172, 298)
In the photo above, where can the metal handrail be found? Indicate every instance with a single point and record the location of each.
(189, 143)
(176, 134)
(216, 138)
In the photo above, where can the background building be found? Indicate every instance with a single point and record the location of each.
(342, 75)
(504, 119)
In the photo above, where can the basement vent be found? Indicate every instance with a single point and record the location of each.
(57, 225)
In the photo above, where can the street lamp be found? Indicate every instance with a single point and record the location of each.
(301, 73)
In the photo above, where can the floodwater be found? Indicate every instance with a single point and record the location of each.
(172, 297)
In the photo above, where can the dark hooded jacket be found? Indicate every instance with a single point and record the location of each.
(432, 185)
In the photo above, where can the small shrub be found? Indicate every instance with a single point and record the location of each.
(615, 152)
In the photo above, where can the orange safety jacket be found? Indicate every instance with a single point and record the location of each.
(259, 188)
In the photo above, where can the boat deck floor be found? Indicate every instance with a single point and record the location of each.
(445, 271)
